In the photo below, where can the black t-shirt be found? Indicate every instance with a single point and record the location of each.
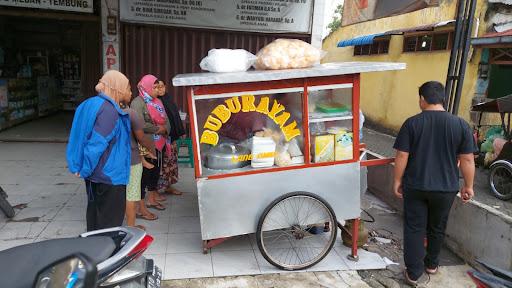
(433, 140)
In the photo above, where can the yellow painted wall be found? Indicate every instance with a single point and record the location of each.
(388, 98)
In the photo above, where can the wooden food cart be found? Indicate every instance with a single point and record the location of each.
(277, 153)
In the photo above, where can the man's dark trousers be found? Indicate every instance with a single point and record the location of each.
(425, 214)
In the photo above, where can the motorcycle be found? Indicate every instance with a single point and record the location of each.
(103, 258)
(5, 206)
(494, 277)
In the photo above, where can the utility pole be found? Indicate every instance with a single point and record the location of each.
(459, 54)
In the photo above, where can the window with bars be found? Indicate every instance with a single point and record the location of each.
(376, 48)
(427, 42)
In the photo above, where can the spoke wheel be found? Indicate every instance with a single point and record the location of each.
(296, 231)
(500, 180)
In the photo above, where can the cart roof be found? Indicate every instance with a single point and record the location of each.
(500, 105)
(328, 69)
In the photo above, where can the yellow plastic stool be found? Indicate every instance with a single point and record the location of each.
(189, 158)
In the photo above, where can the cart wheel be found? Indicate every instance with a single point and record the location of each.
(500, 180)
(296, 231)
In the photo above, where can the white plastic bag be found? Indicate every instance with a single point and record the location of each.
(288, 54)
(227, 60)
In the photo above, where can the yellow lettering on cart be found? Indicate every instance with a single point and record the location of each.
(248, 103)
(234, 105)
(249, 157)
(212, 123)
(222, 113)
(276, 108)
(263, 106)
(209, 137)
(291, 131)
(281, 119)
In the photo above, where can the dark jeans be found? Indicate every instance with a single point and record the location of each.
(425, 214)
(150, 177)
(105, 206)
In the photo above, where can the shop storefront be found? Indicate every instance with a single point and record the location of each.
(49, 57)
(54, 52)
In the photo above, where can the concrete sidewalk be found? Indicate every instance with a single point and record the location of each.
(52, 205)
(35, 173)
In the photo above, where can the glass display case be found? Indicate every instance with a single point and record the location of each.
(262, 126)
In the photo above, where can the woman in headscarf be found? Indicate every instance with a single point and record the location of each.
(99, 150)
(156, 124)
(169, 174)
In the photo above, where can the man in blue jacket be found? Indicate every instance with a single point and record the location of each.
(99, 150)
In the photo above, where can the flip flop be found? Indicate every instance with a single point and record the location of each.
(156, 206)
(409, 281)
(173, 192)
(146, 217)
(431, 271)
(141, 227)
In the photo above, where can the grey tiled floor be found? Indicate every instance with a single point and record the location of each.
(36, 174)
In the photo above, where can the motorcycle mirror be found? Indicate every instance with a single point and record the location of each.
(74, 271)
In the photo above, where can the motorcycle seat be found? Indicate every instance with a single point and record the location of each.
(19, 266)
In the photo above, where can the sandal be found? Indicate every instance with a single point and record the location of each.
(409, 281)
(156, 206)
(150, 217)
(432, 271)
(173, 191)
(141, 227)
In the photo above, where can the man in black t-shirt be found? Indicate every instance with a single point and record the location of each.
(429, 147)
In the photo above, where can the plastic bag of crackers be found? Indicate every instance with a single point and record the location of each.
(288, 54)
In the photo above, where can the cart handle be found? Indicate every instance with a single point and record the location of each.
(373, 162)
(377, 162)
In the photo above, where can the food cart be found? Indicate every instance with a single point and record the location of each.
(277, 153)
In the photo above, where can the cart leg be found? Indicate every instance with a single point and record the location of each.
(355, 237)
(205, 247)
(207, 244)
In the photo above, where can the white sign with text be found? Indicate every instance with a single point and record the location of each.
(64, 5)
(292, 16)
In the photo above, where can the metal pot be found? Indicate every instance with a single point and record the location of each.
(226, 157)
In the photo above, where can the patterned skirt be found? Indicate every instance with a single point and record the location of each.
(169, 172)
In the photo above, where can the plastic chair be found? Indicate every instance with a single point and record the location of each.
(189, 158)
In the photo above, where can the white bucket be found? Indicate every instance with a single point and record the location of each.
(263, 152)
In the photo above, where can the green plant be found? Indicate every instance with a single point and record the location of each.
(336, 19)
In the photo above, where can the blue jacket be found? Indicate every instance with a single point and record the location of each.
(99, 142)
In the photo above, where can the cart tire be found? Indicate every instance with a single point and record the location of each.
(298, 234)
(500, 180)
(6, 207)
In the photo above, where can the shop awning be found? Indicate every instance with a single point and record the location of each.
(361, 40)
(492, 39)
(368, 39)
(500, 105)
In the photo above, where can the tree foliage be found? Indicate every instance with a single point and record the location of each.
(336, 19)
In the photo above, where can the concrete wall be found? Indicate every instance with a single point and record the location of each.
(477, 231)
(389, 98)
